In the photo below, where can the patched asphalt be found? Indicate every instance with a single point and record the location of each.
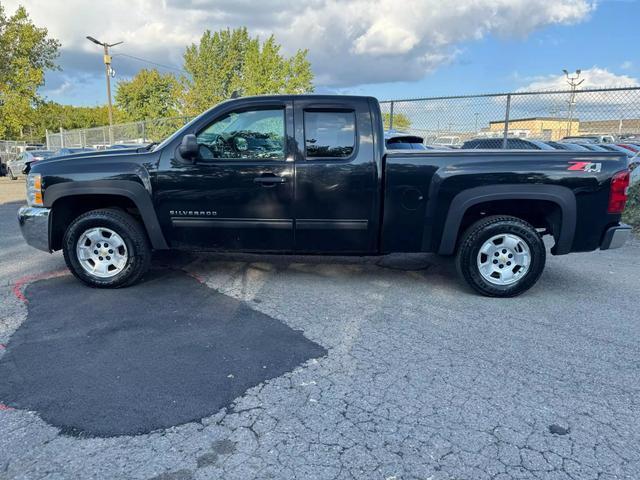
(125, 362)
(422, 379)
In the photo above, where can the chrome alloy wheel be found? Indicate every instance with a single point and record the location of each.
(504, 259)
(101, 252)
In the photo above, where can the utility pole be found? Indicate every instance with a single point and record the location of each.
(107, 70)
(572, 80)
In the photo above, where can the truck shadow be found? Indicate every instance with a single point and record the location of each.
(122, 362)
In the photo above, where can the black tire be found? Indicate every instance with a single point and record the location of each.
(482, 231)
(131, 232)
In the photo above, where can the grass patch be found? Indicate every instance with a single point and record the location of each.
(632, 212)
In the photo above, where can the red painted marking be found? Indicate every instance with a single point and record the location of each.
(5, 408)
(19, 284)
(580, 166)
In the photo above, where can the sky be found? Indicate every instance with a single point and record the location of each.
(385, 48)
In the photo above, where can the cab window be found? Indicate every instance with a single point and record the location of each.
(329, 134)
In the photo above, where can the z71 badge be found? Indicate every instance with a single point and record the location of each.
(585, 166)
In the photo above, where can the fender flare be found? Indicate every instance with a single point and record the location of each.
(561, 196)
(134, 191)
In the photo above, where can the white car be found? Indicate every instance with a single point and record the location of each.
(16, 166)
(590, 139)
(447, 141)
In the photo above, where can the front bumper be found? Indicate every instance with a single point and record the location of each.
(34, 224)
(615, 237)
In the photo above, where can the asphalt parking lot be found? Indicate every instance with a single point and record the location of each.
(241, 367)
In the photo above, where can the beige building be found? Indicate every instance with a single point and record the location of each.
(622, 126)
(544, 128)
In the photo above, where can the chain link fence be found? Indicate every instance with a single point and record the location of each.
(124, 133)
(547, 115)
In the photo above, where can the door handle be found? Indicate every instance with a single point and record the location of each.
(269, 180)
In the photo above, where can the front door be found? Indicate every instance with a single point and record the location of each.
(238, 193)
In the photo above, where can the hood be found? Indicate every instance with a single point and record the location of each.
(99, 153)
(126, 155)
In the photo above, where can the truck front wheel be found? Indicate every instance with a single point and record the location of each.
(501, 256)
(107, 248)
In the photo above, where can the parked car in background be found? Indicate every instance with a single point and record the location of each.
(595, 147)
(590, 139)
(612, 147)
(632, 147)
(22, 163)
(575, 147)
(403, 141)
(447, 141)
(512, 144)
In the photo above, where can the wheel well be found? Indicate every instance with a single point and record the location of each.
(66, 209)
(544, 215)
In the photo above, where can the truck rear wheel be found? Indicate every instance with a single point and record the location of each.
(107, 248)
(501, 256)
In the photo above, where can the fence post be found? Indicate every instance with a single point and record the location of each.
(391, 116)
(144, 131)
(506, 123)
(46, 136)
(61, 138)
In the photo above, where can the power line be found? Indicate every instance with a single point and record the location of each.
(151, 62)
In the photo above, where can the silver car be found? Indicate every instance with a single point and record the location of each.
(17, 166)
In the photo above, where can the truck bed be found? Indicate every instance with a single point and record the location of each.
(420, 188)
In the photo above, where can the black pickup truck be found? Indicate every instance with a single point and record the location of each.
(312, 175)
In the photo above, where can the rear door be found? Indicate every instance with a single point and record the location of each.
(336, 177)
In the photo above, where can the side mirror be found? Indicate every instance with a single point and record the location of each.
(189, 146)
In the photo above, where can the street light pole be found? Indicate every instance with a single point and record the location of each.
(107, 70)
(572, 80)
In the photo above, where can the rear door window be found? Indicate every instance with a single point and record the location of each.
(329, 134)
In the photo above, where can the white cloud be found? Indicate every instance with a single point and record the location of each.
(594, 77)
(627, 65)
(350, 42)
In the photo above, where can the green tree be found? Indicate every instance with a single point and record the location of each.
(400, 121)
(26, 52)
(52, 116)
(149, 94)
(229, 60)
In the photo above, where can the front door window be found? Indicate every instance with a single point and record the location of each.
(244, 135)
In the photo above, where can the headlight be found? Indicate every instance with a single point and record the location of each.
(34, 190)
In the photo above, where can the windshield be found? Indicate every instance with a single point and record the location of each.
(182, 129)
